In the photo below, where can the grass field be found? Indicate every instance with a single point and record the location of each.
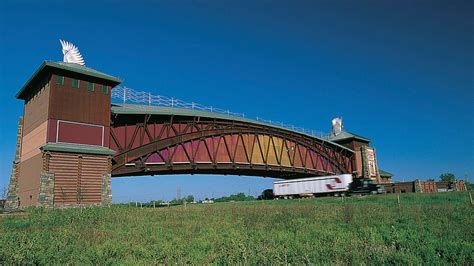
(426, 229)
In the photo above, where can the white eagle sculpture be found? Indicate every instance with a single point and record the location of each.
(71, 53)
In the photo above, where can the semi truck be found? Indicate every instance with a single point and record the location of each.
(336, 185)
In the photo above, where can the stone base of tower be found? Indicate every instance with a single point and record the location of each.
(67, 175)
(75, 175)
(53, 195)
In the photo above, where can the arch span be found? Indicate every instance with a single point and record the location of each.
(160, 140)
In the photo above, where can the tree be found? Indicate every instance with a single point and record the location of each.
(235, 197)
(176, 201)
(431, 179)
(447, 177)
(189, 198)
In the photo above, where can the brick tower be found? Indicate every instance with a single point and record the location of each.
(365, 161)
(63, 157)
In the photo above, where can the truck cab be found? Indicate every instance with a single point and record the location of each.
(365, 186)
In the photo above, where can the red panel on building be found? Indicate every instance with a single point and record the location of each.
(70, 132)
(52, 130)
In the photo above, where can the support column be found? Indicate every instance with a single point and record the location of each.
(106, 190)
(418, 187)
(13, 201)
(46, 194)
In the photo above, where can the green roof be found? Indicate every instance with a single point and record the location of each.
(122, 108)
(346, 135)
(384, 173)
(77, 148)
(76, 68)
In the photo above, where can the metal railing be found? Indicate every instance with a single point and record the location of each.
(127, 95)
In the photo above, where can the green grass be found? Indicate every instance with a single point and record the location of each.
(427, 229)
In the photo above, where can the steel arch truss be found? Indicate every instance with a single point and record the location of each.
(172, 145)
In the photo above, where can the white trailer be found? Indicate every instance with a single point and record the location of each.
(333, 184)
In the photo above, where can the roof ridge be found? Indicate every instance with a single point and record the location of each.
(345, 135)
(74, 65)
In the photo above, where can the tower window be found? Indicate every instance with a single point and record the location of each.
(75, 83)
(105, 89)
(90, 86)
(59, 80)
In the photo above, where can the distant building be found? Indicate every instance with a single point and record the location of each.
(400, 187)
(420, 186)
(385, 177)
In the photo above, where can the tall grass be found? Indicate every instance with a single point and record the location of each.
(427, 228)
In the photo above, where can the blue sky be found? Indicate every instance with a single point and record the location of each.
(398, 72)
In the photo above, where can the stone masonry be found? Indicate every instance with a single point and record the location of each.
(12, 201)
(46, 195)
(106, 190)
